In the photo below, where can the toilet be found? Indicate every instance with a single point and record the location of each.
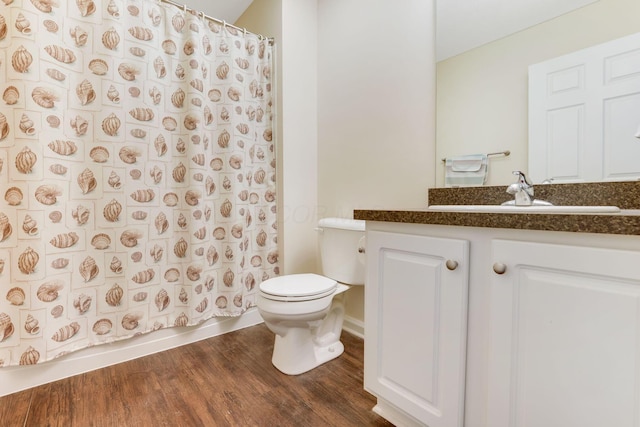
(306, 311)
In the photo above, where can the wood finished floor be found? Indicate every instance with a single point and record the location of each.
(222, 381)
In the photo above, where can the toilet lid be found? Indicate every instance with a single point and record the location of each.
(298, 286)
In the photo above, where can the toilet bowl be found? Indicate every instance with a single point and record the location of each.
(307, 325)
(306, 311)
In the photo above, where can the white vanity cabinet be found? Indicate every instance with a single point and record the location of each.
(564, 347)
(551, 341)
(415, 327)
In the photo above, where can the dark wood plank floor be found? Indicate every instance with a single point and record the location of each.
(222, 381)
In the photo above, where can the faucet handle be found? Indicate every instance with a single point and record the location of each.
(522, 179)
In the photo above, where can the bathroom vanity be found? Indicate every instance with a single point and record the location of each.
(515, 319)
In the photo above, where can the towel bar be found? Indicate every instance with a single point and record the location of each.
(499, 153)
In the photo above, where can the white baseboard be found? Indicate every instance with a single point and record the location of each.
(18, 378)
(353, 326)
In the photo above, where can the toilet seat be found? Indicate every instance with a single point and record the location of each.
(298, 287)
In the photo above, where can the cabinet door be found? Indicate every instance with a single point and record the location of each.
(415, 324)
(565, 336)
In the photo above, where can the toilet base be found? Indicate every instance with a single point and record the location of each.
(300, 349)
(296, 353)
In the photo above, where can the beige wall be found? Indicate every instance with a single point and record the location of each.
(482, 93)
(375, 104)
(361, 132)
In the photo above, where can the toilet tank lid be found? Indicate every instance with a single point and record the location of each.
(342, 223)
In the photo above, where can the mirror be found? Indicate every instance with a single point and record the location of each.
(482, 94)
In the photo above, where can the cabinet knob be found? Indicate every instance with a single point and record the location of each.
(451, 264)
(362, 243)
(499, 268)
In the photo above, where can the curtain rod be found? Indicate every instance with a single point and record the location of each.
(224, 23)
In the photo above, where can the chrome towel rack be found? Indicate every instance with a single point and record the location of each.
(497, 153)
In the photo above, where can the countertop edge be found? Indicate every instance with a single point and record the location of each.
(601, 223)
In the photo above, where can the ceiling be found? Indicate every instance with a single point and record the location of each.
(462, 24)
(467, 24)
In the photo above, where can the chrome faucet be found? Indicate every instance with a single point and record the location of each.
(522, 190)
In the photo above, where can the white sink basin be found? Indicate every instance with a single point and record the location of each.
(524, 209)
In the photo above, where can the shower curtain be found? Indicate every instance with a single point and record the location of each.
(137, 172)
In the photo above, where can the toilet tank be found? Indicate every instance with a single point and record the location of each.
(342, 249)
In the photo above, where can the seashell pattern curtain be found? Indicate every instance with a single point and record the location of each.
(137, 172)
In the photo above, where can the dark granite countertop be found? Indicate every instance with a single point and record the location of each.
(625, 195)
(582, 223)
